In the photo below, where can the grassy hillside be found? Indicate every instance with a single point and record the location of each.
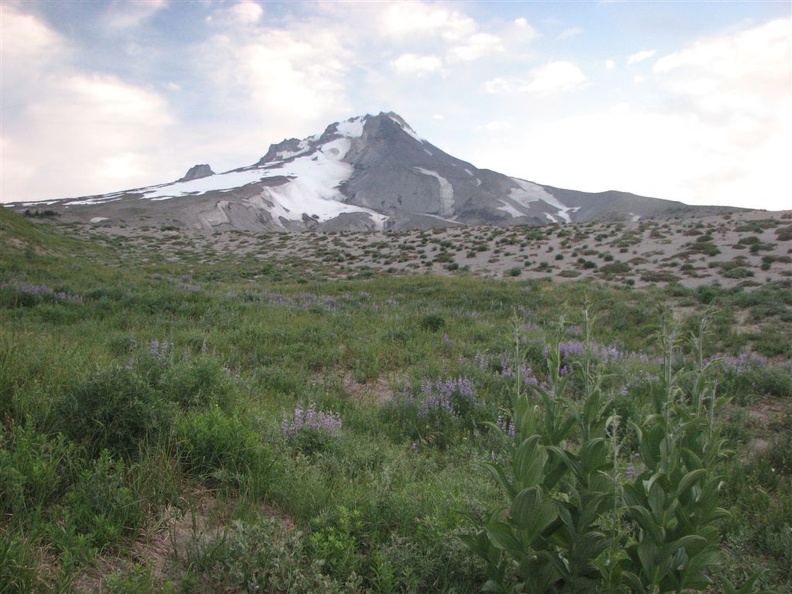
(196, 424)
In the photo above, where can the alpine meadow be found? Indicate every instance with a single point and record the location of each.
(567, 408)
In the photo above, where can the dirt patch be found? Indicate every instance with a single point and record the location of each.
(378, 391)
(169, 540)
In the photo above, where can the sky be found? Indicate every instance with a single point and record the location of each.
(687, 101)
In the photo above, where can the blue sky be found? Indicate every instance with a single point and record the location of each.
(682, 100)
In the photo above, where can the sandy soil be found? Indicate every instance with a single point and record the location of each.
(743, 248)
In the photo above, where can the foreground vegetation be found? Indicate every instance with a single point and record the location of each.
(180, 427)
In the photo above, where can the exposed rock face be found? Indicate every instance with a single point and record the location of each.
(365, 173)
(197, 172)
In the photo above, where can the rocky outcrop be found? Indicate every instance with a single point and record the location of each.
(197, 172)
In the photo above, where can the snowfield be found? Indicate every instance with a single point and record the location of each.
(446, 191)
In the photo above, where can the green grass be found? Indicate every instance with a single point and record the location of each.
(145, 403)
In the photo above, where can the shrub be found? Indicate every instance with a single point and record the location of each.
(432, 322)
(738, 272)
(212, 444)
(34, 471)
(615, 268)
(114, 409)
(18, 564)
(102, 506)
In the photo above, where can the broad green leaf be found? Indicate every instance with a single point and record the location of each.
(647, 523)
(647, 553)
(500, 476)
(525, 506)
(502, 536)
(689, 479)
(529, 461)
(537, 513)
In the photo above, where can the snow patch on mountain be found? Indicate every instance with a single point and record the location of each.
(446, 191)
(352, 128)
(92, 201)
(216, 183)
(302, 148)
(404, 126)
(529, 192)
(509, 209)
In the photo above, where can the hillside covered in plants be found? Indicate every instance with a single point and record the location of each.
(184, 420)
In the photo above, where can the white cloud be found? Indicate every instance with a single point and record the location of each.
(415, 65)
(244, 13)
(746, 72)
(641, 56)
(723, 134)
(553, 78)
(27, 43)
(496, 126)
(475, 47)
(409, 19)
(128, 14)
(276, 72)
(610, 64)
(247, 12)
(569, 33)
(71, 132)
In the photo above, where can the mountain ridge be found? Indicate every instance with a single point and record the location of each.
(364, 173)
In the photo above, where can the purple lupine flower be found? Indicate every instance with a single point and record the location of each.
(310, 420)
(442, 394)
(160, 350)
(507, 426)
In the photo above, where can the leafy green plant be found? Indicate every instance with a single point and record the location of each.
(101, 505)
(220, 448)
(34, 471)
(562, 530)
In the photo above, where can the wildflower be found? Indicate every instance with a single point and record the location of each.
(310, 419)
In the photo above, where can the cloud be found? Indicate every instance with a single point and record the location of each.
(496, 126)
(415, 65)
(569, 33)
(718, 131)
(243, 13)
(71, 132)
(128, 14)
(405, 20)
(478, 45)
(747, 72)
(641, 56)
(27, 43)
(553, 78)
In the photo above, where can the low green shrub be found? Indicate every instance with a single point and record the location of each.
(34, 472)
(101, 505)
(216, 446)
(115, 409)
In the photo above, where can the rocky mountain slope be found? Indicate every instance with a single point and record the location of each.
(368, 173)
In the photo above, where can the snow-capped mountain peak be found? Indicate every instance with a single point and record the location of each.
(367, 172)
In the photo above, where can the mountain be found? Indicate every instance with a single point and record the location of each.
(365, 173)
